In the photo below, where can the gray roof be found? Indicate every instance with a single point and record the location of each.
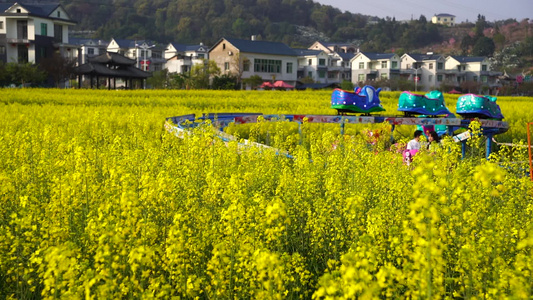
(262, 47)
(421, 57)
(305, 52)
(113, 58)
(346, 56)
(84, 41)
(467, 59)
(183, 47)
(376, 56)
(444, 15)
(36, 9)
(102, 70)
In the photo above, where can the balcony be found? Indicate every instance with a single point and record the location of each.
(18, 41)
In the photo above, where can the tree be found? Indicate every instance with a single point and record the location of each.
(22, 74)
(58, 68)
(159, 79)
(484, 46)
(254, 81)
(201, 74)
(347, 85)
(225, 82)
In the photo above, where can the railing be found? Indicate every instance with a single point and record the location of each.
(18, 41)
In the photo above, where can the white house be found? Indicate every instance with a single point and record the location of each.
(180, 58)
(149, 55)
(30, 32)
(374, 66)
(427, 69)
(89, 48)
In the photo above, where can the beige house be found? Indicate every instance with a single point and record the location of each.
(272, 61)
(443, 19)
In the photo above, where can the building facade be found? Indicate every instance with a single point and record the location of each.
(29, 33)
(272, 61)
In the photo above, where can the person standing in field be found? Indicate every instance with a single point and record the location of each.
(414, 144)
(433, 140)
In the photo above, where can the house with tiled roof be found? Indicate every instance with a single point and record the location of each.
(368, 66)
(89, 48)
(428, 68)
(472, 68)
(334, 47)
(272, 61)
(312, 64)
(181, 57)
(443, 19)
(31, 32)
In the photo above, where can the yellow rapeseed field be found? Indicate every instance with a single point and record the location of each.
(98, 201)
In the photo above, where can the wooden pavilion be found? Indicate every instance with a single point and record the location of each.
(111, 66)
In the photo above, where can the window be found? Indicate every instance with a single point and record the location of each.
(246, 65)
(59, 14)
(309, 62)
(90, 51)
(321, 62)
(431, 66)
(2, 50)
(361, 65)
(394, 65)
(1, 24)
(483, 67)
(439, 78)
(361, 77)
(202, 56)
(223, 46)
(44, 29)
(331, 75)
(475, 78)
(384, 76)
(289, 68)
(43, 51)
(18, 11)
(440, 66)
(310, 74)
(226, 66)
(484, 79)
(321, 74)
(384, 64)
(267, 65)
(430, 78)
(58, 33)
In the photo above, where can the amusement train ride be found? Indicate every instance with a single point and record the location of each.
(427, 112)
